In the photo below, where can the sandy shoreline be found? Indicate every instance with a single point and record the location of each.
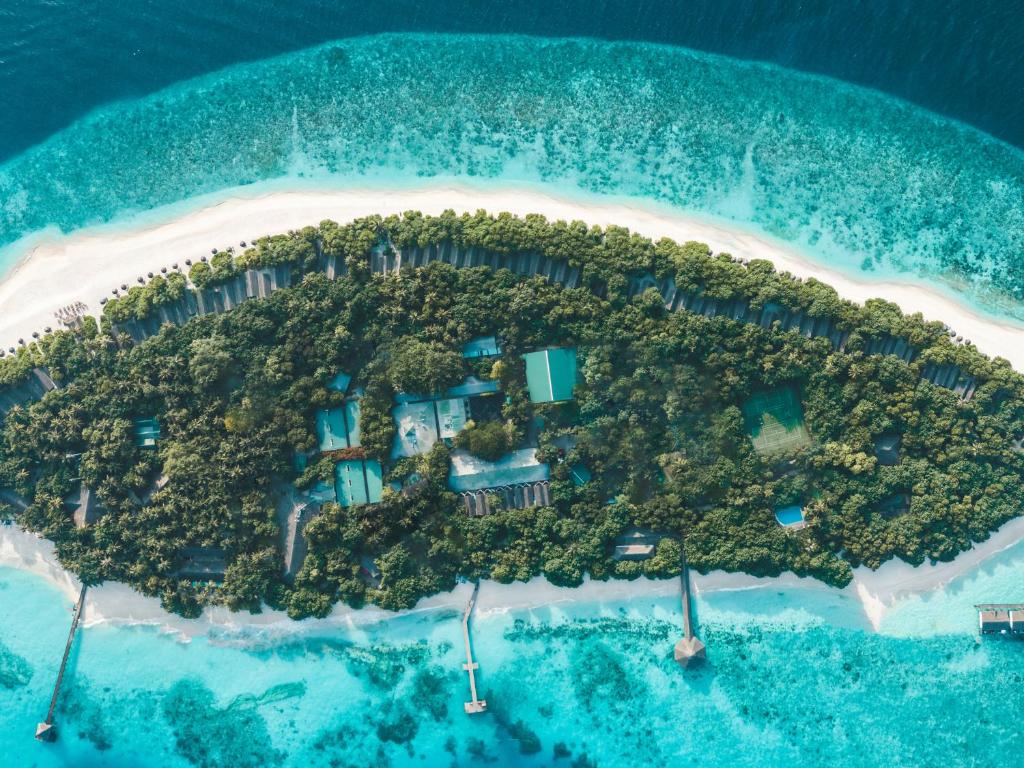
(862, 604)
(55, 271)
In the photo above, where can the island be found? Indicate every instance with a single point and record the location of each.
(370, 412)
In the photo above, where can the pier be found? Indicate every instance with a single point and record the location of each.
(689, 651)
(475, 705)
(47, 730)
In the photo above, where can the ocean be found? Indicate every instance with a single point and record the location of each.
(63, 58)
(793, 677)
(882, 137)
(862, 180)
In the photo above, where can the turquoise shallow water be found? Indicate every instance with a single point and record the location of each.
(793, 678)
(852, 176)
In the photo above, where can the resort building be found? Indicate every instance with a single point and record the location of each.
(422, 420)
(358, 481)
(516, 480)
(340, 382)
(420, 425)
(551, 374)
(147, 432)
(887, 449)
(636, 544)
(482, 346)
(338, 428)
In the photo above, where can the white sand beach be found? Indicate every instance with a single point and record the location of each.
(862, 604)
(55, 271)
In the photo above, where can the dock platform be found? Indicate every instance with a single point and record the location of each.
(689, 651)
(475, 705)
(47, 730)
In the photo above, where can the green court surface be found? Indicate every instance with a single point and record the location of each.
(775, 421)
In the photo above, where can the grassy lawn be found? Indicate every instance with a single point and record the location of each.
(775, 421)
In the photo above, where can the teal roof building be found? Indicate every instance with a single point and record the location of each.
(358, 481)
(338, 428)
(483, 346)
(147, 432)
(551, 374)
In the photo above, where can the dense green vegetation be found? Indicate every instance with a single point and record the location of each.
(657, 419)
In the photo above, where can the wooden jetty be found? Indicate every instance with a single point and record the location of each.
(47, 730)
(689, 651)
(1001, 618)
(476, 705)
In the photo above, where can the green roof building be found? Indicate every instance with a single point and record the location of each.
(551, 374)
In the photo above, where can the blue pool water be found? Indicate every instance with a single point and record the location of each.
(789, 515)
(793, 678)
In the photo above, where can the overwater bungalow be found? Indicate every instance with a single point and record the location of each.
(1001, 618)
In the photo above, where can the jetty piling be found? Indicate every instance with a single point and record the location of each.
(689, 651)
(47, 730)
(475, 705)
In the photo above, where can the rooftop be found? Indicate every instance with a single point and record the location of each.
(338, 428)
(482, 346)
(551, 374)
(469, 473)
(420, 425)
(340, 382)
(358, 481)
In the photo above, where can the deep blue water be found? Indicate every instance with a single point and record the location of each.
(61, 58)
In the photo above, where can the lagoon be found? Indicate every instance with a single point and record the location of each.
(795, 675)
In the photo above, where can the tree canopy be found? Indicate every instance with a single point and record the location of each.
(657, 419)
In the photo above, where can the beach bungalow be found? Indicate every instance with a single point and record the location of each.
(482, 346)
(85, 508)
(791, 517)
(636, 544)
(894, 506)
(551, 374)
(202, 564)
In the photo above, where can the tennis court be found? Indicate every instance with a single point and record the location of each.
(775, 421)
